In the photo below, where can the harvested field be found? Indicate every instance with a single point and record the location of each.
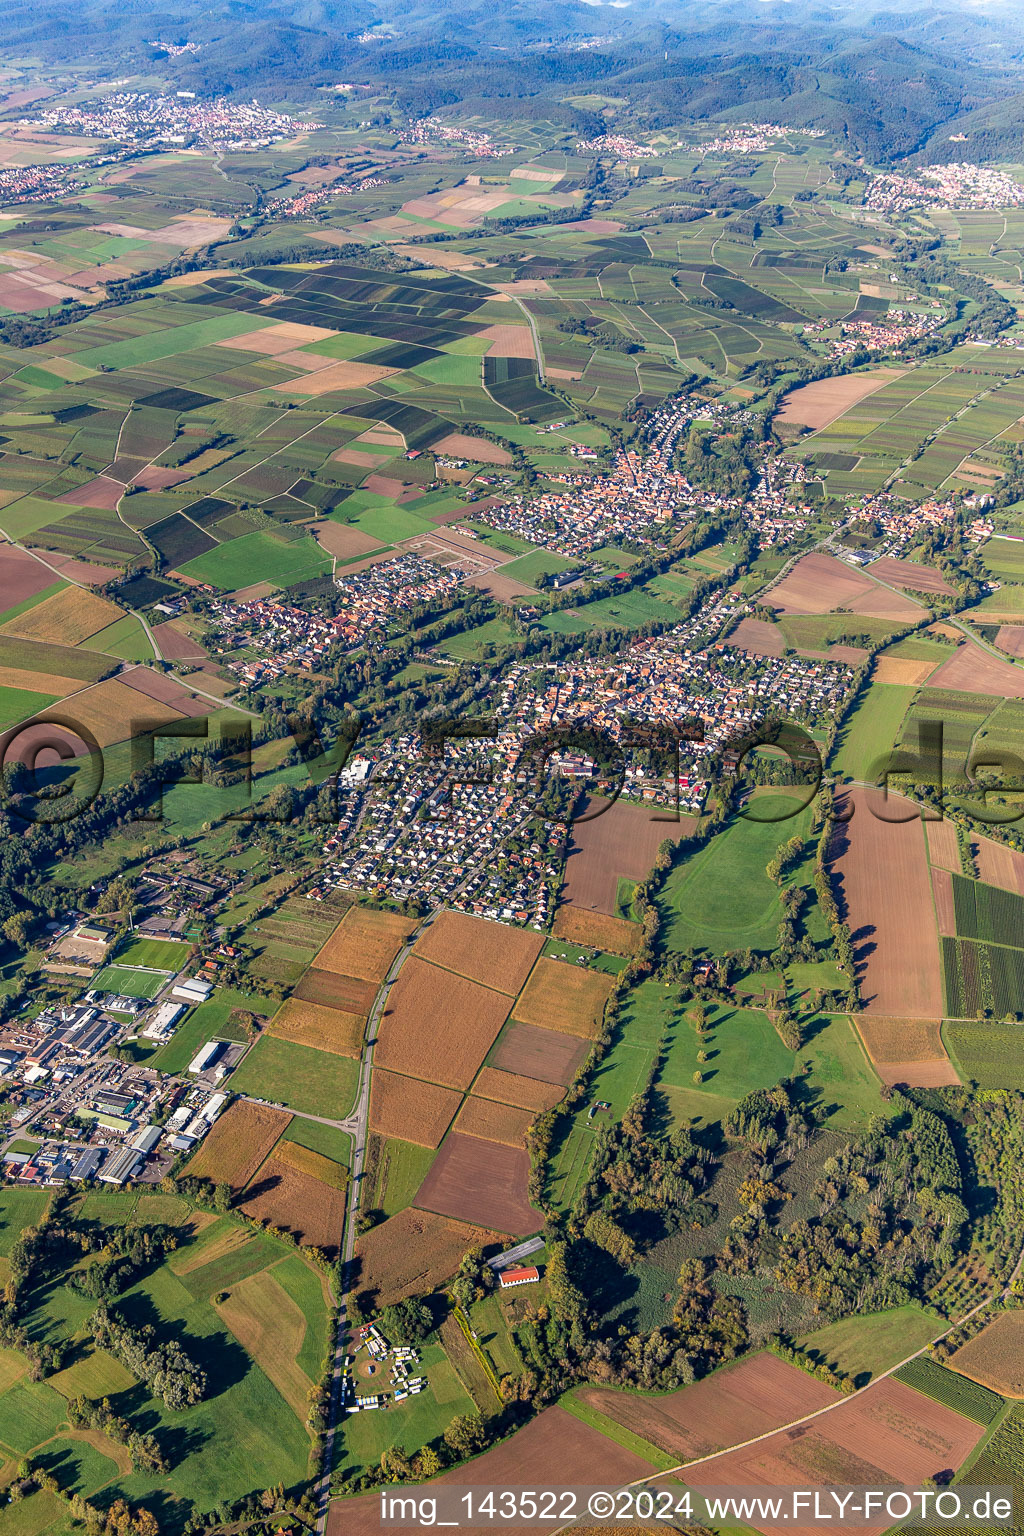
(750, 1398)
(344, 543)
(759, 637)
(973, 670)
(461, 446)
(565, 997)
(285, 336)
(512, 1088)
(115, 712)
(906, 1051)
(943, 848)
(820, 584)
(509, 340)
(356, 456)
(999, 865)
(907, 573)
(537, 1456)
(880, 872)
(995, 1358)
(526, 1050)
(326, 1029)
(271, 1328)
(330, 989)
(597, 930)
(890, 1434)
(22, 576)
(900, 669)
(38, 682)
(342, 375)
(482, 1182)
(412, 1253)
(494, 1122)
(438, 1026)
(365, 943)
(103, 492)
(75, 570)
(67, 618)
(313, 1164)
(1011, 639)
(238, 1143)
(409, 1109)
(817, 405)
(165, 690)
(488, 952)
(296, 1203)
(505, 589)
(942, 891)
(622, 841)
(176, 645)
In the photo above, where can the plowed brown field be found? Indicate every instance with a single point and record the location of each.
(565, 997)
(622, 841)
(414, 1252)
(541, 1053)
(880, 872)
(537, 1456)
(410, 1109)
(942, 892)
(973, 670)
(907, 573)
(943, 848)
(820, 583)
(999, 865)
(438, 1026)
(499, 957)
(238, 1143)
(482, 1182)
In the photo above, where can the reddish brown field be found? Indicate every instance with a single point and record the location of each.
(409, 1109)
(21, 577)
(283, 1197)
(749, 1398)
(504, 588)
(890, 1434)
(331, 989)
(973, 670)
(512, 1088)
(596, 930)
(942, 891)
(165, 690)
(943, 848)
(494, 1122)
(326, 1029)
(499, 957)
(999, 865)
(880, 872)
(346, 543)
(238, 1143)
(414, 1252)
(482, 1182)
(365, 943)
(156, 477)
(541, 1053)
(565, 997)
(907, 573)
(100, 492)
(759, 637)
(549, 1451)
(461, 446)
(176, 645)
(1011, 639)
(996, 1356)
(77, 570)
(438, 1025)
(906, 1051)
(622, 841)
(821, 583)
(815, 405)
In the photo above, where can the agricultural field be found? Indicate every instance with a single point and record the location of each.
(993, 1357)
(306, 1079)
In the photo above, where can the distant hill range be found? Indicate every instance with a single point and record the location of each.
(892, 84)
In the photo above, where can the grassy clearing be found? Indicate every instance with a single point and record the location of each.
(870, 730)
(863, 1346)
(314, 1082)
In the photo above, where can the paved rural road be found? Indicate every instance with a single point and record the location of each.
(357, 1124)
